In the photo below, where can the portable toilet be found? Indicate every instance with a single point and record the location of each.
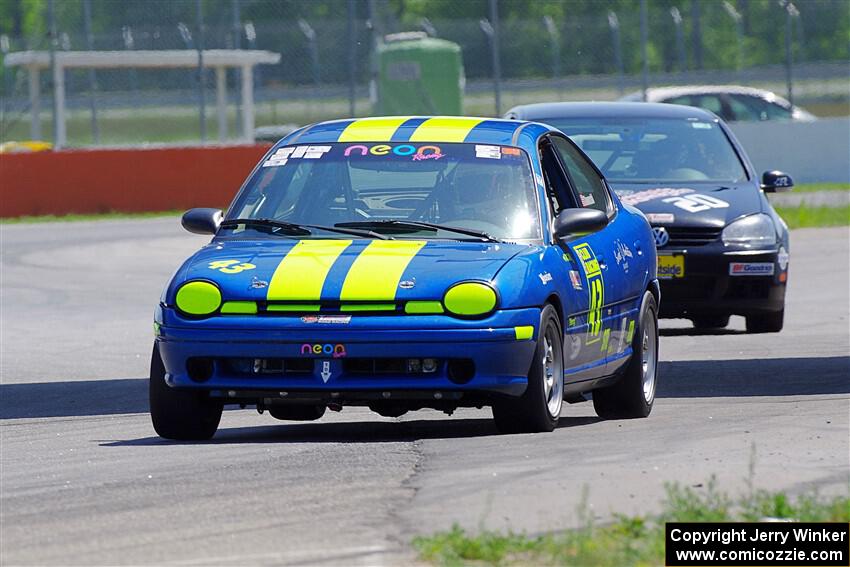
(418, 74)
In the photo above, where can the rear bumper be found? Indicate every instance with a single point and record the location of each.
(709, 288)
(334, 359)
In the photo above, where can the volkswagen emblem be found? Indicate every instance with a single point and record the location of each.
(662, 237)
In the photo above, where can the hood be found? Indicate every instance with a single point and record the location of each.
(342, 270)
(695, 205)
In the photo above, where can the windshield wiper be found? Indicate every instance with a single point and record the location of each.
(301, 229)
(418, 225)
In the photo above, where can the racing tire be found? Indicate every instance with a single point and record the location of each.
(770, 322)
(179, 414)
(297, 413)
(634, 393)
(539, 408)
(710, 321)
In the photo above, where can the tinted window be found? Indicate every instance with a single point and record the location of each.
(478, 187)
(590, 187)
(747, 108)
(655, 150)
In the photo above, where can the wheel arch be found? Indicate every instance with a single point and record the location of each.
(555, 301)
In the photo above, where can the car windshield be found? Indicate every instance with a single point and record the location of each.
(388, 187)
(643, 150)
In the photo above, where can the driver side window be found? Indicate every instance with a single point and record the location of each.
(590, 188)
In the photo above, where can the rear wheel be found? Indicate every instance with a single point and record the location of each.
(634, 393)
(180, 414)
(711, 321)
(539, 408)
(770, 322)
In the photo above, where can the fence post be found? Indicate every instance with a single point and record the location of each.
(202, 103)
(95, 131)
(58, 115)
(614, 24)
(352, 59)
(237, 44)
(554, 38)
(644, 38)
(497, 60)
(790, 12)
(680, 39)
(739, 35)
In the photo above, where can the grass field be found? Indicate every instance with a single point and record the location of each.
(807, 217)
(812, 187)
(628, 540)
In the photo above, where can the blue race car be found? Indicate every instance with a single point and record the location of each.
(405, 263)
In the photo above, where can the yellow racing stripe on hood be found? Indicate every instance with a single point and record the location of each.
(445, 129)
(375, 274)
(372, 129)
(301, 274)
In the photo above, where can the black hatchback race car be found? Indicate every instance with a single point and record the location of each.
(722, 248)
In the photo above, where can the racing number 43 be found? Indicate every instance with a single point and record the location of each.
(596, 288)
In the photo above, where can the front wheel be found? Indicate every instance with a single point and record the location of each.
(179, 414)
(539, 408)
(634, 393)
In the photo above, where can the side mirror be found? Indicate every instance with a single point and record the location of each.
(201, 221)
(575, 222)
(776, 182)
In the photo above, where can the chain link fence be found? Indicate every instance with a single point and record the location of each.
(514, 52)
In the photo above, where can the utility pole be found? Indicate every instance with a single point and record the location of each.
(95, 131)
(202, 103)
(644, 39)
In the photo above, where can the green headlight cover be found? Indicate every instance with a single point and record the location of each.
(470, 298)
(198, 298)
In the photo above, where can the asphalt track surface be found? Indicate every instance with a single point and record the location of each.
(84, 480)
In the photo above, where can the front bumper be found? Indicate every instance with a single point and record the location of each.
(333, 359)
(708, 287)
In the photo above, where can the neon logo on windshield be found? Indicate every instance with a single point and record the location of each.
(420, 153)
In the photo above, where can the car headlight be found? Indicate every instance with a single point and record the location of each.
(754, 231)
(470, 299)
(198, 298)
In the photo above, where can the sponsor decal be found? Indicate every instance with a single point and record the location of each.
(488, 152)
(596, 288)
(751, 269)
(575, 279)
(621, 254)
(326, 371)
(545, 277)
(697, 203)
(402, 150)
(257, 283)
(327, 349)
(637, 197)
(230, 266)
(407, 284)
(671, 267)
(587, 200)
(661, 236)
(283, 155)
(783, 258)
(327, 319)
(511, 151)
(660, 218)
